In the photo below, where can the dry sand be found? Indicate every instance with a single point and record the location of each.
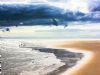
(90, 64)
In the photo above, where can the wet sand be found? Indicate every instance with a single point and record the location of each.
(24, 61)
(90, 64)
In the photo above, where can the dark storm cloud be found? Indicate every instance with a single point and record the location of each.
(32, 13)
(26, 11)
(23, 12)
(35, 11)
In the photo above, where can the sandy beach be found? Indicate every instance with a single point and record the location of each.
(34, 59)
(90, 64)
(49, 37)
(50, 57)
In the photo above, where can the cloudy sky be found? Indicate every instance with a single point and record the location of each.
(72, 31)
(75, 4)
(42, 0)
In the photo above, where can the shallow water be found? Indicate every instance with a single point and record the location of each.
(90, 30)
(17, 60)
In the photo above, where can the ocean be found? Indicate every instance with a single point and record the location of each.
(79, 31)
(25, 57)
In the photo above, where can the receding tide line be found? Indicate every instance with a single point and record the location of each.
(80, 64)
(90, 64)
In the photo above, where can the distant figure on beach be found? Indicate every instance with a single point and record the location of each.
(22, 44)
(6, 29)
